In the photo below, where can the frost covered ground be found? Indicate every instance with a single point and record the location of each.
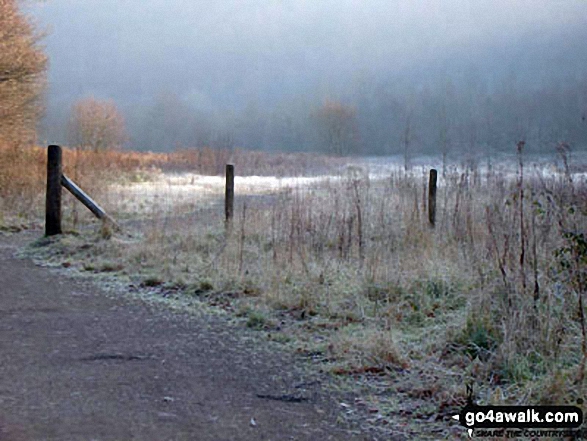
(171, 192)
(181, 192)
(347, 270)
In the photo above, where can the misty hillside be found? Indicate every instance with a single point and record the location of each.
(474, 75)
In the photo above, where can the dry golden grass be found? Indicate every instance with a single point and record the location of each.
(22, 172)
(208, 161)
(22, 180)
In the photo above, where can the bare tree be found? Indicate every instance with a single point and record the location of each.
(444, 138)
(337, 128)
(22, 75)
(406, 140)
(96, 125)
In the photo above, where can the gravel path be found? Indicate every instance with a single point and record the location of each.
(77, 364)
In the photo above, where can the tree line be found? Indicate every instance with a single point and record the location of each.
(444, 115)
(444, 118)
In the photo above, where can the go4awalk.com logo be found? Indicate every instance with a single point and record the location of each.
(520, 421)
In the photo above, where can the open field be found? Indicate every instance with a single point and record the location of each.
(345, 268)
(391, 194)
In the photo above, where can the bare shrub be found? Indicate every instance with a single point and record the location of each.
(337, 128)
(96, 125)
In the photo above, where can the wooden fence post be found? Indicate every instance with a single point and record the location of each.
(53, 198)
(229, 194)
(81, 196)
(432, 197)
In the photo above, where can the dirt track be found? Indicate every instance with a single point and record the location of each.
(76, 364)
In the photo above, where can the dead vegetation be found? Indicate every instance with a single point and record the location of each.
(23, 169)
(350, 272)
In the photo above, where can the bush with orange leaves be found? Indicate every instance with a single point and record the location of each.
(22, 76)
(96, 125)
(22, 82)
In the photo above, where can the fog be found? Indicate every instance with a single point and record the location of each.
(422, 75)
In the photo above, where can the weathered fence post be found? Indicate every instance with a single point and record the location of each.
(229, 195)
(53, 199)
(81, 196)
(432, 197)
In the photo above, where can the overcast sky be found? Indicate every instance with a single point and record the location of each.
(206, 48)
